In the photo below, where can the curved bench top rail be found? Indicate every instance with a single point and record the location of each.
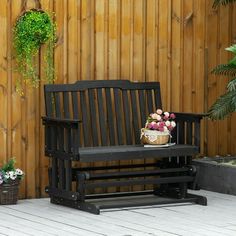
(91, 84)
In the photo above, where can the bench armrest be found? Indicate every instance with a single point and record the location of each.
(61, 138)
(189, 116)
(187, 130)
(60, 121)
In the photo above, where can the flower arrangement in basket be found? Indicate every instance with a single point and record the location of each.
(9, 182)
(158, 127)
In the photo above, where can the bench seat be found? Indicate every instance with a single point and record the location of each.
(133, 152)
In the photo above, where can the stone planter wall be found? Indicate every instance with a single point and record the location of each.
(216, 175)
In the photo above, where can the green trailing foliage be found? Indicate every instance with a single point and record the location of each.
(222, 2)
(33, 29)
(9, 166)
(225, 104)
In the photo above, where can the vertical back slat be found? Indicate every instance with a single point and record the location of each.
(60, 137)
(75, 105)
(127, 116)
(157, 95)
(150, 101)
(93, 117)
(180, 132)
(84, 118)
(189, 132)
(49, 104)
(197, 133)
(118, 116)
(68, 171)
(142, 105)
(101, 114)
(110, 116)
(134, 114)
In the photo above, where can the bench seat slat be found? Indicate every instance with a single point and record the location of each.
(131, 152)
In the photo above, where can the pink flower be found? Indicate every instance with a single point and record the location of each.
(154, 125)
(159, 111)
(161, 129)
(166, 118)
(172, 116)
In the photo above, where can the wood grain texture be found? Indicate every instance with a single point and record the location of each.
(176, 42)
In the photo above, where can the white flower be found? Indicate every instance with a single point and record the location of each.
(167, 114)
(19, 172)
(13, 175)
(159, 111)
(173, 124)
(167, 123)
(165, 128)
(154, 116)
(158, 117)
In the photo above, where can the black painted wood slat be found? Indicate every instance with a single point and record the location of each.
(180, 132)
(95, 84)
(110, 116)
(102, 119)
(134, 115)
(85, 122)
(60, 138)
(93, 116)
(68, 163)
(75, 105)
(157, 95)
(142, 105)
(150, 102)
(118, 115)
(197, 133)
(49, 104)
(127, 117)
(189, 132)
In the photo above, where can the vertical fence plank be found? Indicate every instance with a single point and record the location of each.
(224, 41)
(4, 81)
(212, 43)
(176, 65)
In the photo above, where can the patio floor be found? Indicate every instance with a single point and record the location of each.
(39, 217)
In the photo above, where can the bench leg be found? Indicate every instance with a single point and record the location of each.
(201, 200)
(83, 206)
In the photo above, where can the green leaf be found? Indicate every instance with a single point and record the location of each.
(221, 2)
(224, 106)
(225, 69)
(10, 165)
(231, 49)
(232, 85)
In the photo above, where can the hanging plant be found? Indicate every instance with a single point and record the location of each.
(33, 29)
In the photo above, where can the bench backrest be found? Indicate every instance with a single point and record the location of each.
(111, 112)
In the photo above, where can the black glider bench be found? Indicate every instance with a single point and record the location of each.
(92, 138)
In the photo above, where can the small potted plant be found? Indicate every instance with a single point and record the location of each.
(158, 127)
(9, 182)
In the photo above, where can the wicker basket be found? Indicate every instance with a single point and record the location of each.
(154, 137)
(9, 193)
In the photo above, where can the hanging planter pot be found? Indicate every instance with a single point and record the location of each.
(33, 29)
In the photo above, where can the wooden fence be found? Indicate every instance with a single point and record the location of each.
(176, 42)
